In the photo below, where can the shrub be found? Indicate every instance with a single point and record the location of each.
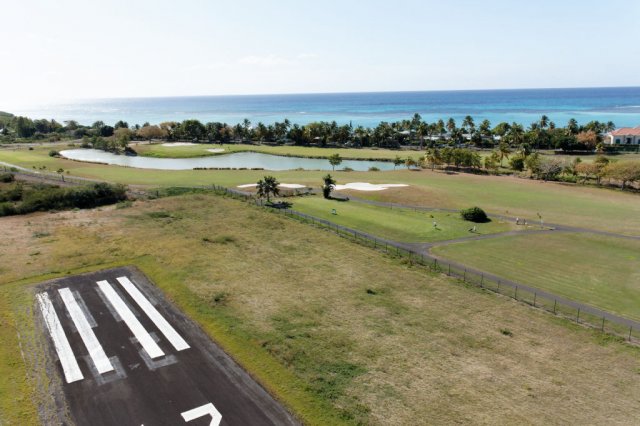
(374, 169)
(474, 214)
(7, 177)
(7, 209)
(54, 153)
(47, 197)
(517, 163)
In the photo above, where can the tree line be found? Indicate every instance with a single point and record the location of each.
(540, 134)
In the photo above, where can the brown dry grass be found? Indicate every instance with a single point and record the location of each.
(420, 350)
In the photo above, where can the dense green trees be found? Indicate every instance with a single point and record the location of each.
(541, 134)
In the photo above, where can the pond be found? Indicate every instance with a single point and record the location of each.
(248, 160)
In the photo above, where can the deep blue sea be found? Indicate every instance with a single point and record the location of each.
(620, 105)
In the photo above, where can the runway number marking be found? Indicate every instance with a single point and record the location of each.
(99, 358)
(203, 410)
(70, 366)
(143, 337)
(169, 332)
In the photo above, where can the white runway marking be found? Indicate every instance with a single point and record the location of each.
(169, 332)
(99, 358)
(70, 366)
(147, 342)
(204, 410)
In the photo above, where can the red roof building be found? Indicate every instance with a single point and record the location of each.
(624, 136)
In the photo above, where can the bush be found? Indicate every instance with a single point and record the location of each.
(54, 153)
(47, 197)
(517, 163)
(374, 169)
(7, 177)
(7, 209)
(474, 214)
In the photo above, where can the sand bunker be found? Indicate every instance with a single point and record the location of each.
(366, 186)
(282, 185)
(178, 144)
(216, 150)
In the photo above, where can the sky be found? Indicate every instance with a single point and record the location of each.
(83, 49)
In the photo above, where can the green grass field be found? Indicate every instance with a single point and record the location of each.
(600, 271)
(340, 333)
(396, 224)
(597, 208)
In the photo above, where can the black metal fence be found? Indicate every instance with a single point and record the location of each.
(577, 312)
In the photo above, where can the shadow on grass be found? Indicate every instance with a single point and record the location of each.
(279, 205)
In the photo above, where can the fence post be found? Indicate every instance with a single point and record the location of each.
(630, 328)
(449, 273)
(602, 328)
(435, 264)
(516, 295)
(464, 278)
(578, 316)
(498, 290)
(555, 302)
(482, 280)
(535, 295)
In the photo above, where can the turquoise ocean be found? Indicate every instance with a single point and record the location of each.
(620, 105)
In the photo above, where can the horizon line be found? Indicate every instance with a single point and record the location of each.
(338, 93)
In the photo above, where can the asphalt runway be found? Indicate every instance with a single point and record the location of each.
(125, 356)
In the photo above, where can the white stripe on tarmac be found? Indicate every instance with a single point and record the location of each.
(147, 342)
(70, 366)
(169, 332)
(102, 363)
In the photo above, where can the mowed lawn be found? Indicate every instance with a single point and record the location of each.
(340, 333)
(597, 208)
(601, 271)
(396, 224)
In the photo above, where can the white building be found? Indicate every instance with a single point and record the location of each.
(624, 136)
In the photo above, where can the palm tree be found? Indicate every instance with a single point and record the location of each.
(267, 186)
(503, 151)
(246, 125)
(359, 133)
(609, 127)
(423, 130)
(468, 125)
(516, 134)
(572, 126)
(451, 125)
(416, 123)
(439, 127)
(544, 122)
